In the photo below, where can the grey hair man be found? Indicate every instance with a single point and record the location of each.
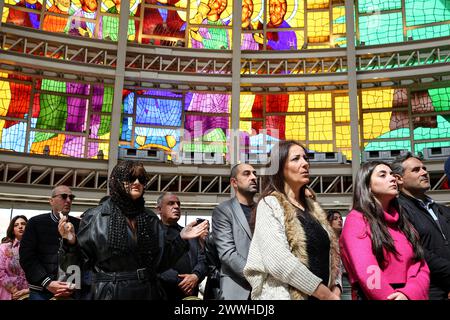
(431, 220)
(232, 235)
(183, 278)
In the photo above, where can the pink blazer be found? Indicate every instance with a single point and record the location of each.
(363, 268)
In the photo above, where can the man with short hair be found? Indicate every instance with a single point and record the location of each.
(183, 279)
(39, 248)
(431, 220)
(232, 235)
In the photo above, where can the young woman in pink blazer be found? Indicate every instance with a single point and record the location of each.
(379, 247)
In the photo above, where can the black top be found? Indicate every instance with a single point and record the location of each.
(317, 245)
(39, 249)
(247, 211)
(192, 262)
(92, 252)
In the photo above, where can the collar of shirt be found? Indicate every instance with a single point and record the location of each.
(15, 243)
(427, 203)
(54, 216)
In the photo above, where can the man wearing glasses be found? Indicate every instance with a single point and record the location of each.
(40, 244)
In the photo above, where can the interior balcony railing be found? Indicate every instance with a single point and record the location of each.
(23, 178)
(66, 56)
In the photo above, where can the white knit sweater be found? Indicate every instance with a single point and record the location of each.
(271, 267)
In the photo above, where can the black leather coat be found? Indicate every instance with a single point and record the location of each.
(92, 253)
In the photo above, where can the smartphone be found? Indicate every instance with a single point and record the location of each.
(200, 220)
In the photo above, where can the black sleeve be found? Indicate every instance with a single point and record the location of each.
(201, 267)
(29, 261)
(172, 248)
(439, 266)
(76, 254)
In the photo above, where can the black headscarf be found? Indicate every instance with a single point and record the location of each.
(125, 207)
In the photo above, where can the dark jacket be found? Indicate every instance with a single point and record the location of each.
(212, 286)
(435, 243)
(39, 249)
(120, 276)
(193, 261)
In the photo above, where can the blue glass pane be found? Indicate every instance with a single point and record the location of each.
(162, 111)
(13, 138)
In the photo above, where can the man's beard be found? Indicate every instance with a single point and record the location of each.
(248, 192)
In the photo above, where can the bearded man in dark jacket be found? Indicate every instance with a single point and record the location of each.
(431, 220)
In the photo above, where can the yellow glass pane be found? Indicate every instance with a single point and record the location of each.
(319, 100)
(104, 146)
(245, 126)
(245, 105)
(318, 147)
(318, 4)
(300, 34)
(320, 125)
(318, 26)
(347, 153)
(376, 99)
(5, 95)
(296, 103)
(178, 4)
(342, 109)
(322, 46)
(55, 144)
(5, 14)
(295, 127)
(375, 124)
(343, 137)
(338, 13)
(2, 124)
(295, 13)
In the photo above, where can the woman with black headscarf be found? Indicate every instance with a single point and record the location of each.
(120, 240)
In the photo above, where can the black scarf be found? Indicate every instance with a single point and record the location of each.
(124, 207)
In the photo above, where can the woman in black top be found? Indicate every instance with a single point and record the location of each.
(121, 243)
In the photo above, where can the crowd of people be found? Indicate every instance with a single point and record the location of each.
(394, 244)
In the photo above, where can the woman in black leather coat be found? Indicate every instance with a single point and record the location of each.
(121, 243)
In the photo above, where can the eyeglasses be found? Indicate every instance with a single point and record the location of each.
(142, 179)
(64, 196)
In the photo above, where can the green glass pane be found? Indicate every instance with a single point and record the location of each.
(381, 28)
(378, 5)
(105, 125)
(429, 32)
(440, 98)
(388, 145)
(108, 99)
(420, 146)
(53, 112)
(215, 135)
(426, 11)
(191, 147)
(441, 131)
